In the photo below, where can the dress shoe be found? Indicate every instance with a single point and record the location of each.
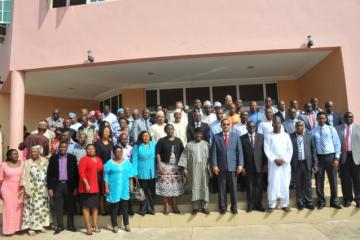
(71, 228)
(131, 213)
(310, 207)
(249, 208)
(336, 206)
(142, 213)
(358, 205)
(321, 205)
(347, 204)
(205, 211)
(270, 210)
(58, 230)
(195, 211)
(260, 208)
(151, 212)
(127, 228)
(300, 207)
(234, 211)
(176, 210)
(286, 209)
(222, 211)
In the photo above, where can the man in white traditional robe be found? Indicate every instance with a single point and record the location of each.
(278, 150)
(179, 127)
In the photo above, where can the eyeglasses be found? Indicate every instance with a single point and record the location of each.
(225, 124)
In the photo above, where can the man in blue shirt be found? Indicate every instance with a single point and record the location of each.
(328, 149)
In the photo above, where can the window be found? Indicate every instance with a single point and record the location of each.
(64, 3)
(5, 11)
(59, 3)
(271, 91)
(114, 104)
(219, 93)
(77, 2)
(151, 99)
(203, 93)
(251, 93)
(168, 97)
(120, 101)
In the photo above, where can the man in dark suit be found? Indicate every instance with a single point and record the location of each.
(197, 108)
(304, 160)
(349, 135)
(227, 161)
(254, 163)
(308, 117)
(197, 123)
(334, 118)
(281, 113)
(62, 181)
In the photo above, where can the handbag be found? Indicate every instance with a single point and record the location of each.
(138, 193)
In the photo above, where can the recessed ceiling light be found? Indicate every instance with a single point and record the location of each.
(70, 88)
(250, 67)
(150, 73)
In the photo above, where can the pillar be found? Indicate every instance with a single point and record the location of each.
(17, 97)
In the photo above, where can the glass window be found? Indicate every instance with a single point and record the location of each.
(77, 2)
(151, 99)
(250, 93)
(59, 3)
(114, 104)
(203, 93)
(120, 101)
(168, 97)
(219, 93)
(5, 11)
(271, 91)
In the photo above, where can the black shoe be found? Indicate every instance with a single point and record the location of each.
(336, 206)
(310, 207)
(347, 204)
(270, 210)
(249, 208)
(222, 210)
(358, 205)
(205, 211)
(142, 213)
(286, 209)
(195, 211)
(300, 207)
(321, 205)
(71, 228)
(234, 211)
(131, 213)
(58, 230)
(260, 208)
(151, 212)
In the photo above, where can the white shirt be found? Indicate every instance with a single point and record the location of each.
(180, 132)
(266, 127)
(208, 118)
(157, 131)
(240, 128)
(127, 152)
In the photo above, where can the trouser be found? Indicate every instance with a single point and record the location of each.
(293, 175)
(63, 195)
(325, 165)
(114, 208)
(227, 179)
(148, 185)
(303, 184)
(284, 202)
(350, 179)
(200, 204)
(254, 183)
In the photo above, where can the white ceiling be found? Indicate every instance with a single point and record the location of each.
(96, 82)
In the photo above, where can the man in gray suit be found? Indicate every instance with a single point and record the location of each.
(334, 118)
(227, 161)
(139, 125)
(305, 161)
(349, 135)
(289, 124)
(308, 117)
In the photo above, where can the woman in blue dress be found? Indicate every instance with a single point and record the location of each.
(143, 160)
(117, 176)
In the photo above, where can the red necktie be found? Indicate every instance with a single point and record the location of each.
(226, 139)
(347, 139)
(311, 120)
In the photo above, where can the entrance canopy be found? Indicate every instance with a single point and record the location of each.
(100, 80)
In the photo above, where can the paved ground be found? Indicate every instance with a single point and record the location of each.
(329, 230)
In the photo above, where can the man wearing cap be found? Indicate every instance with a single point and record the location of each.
(209, 116)
(74, 121)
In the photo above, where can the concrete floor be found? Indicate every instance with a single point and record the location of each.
(341, 229)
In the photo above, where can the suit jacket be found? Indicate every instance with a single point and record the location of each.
(309, 151)
(355, 143)
(138, 126)
(305, 119)
(287, 126)
(53, 172)
(226, 158)
(337, 119)
(191, 116)
(205, 129)
(279, 115)
(254, 156)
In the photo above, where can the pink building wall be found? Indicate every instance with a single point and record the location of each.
(130, 29)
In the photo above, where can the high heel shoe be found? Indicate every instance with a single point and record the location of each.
(89, 232)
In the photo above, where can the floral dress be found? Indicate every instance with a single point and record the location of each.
(36, 203)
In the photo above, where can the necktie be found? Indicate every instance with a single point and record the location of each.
(293, 125)
(146, 125)
(252, 141)
(347, 139)
(311, 120)
(226, 141)
(300, 150)
(322, 140)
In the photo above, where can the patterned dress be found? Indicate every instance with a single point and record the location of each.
(36, 203)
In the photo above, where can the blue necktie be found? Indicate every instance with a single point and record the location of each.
(300, 152)
(322, 140)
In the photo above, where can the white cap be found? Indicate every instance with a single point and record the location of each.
(207, 103)
(217, 104)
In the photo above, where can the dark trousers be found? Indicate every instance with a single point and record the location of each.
(114, 209)
(303, 184)
(228, 179)
(254, 184)
(350, 179)
(325, 165)
(148, 185)
(64, 196)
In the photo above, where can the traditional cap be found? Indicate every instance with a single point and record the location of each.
(217, 104)
(72, 115)
(120, 110)
(207, 103)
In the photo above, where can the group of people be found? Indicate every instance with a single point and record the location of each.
(99, 160)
